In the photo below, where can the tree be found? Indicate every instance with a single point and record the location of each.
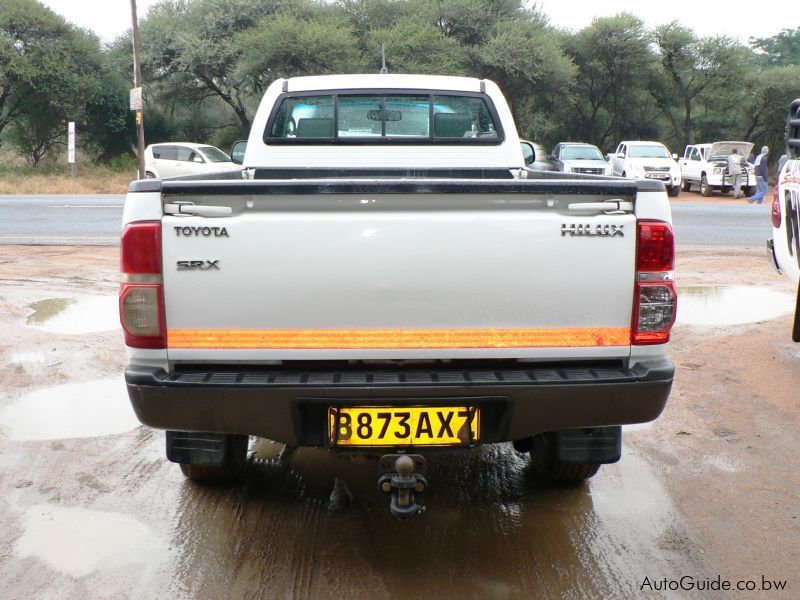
(613, 63)
(781, 50)
(414, 47)
(46, 66)
(471, 21)
(766, 98)
(695, 66)
(191, 42)
(289, 46)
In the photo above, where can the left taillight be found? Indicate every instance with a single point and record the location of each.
(776, 205)
(141, 293)
(656, 301)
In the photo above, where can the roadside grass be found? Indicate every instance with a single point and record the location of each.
(55, 178)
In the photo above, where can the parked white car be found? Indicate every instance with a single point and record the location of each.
(173, 159)
(706, 165)
(647, 160)
(574, 157)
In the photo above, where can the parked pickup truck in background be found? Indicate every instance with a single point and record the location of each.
(647, 160)
(784, 246)
(706, 165)
(574, 157)
(390, 279)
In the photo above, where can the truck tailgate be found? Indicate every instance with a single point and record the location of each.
(339, 269)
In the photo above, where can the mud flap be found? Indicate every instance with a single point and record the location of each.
(196, 448)
(600, 445)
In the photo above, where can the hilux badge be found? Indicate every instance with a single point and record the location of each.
(587, 230)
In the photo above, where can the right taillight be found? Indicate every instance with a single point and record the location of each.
(656, 300)
(141, 293)
(776, 206)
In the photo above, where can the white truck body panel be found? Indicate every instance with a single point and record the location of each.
(786, 238)
(396, 262)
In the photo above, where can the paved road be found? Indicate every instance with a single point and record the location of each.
(90, 220)
(720, 224)
(96, 220)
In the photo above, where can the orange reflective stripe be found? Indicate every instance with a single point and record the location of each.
(310, 339)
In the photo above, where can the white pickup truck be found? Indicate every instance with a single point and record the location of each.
(706, 166)
(385, 277)
(784, 246)
(647, 160)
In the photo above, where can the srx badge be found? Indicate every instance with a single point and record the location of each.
(198, 265)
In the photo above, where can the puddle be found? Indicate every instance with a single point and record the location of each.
(78, 542)
(638, 426)
(75, 410)
(730, 305)
(638, 497)
(74, 316)
(589, 541)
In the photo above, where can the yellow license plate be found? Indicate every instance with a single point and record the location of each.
(403, 426)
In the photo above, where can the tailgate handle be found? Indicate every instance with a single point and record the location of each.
(190, 208)
(607, 206)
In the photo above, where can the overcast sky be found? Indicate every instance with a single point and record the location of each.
(109, 18)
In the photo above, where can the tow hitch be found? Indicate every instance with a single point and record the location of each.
(402, 476)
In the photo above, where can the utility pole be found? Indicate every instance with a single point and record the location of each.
(136, 93)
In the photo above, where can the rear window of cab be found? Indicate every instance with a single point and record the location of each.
(383, 117)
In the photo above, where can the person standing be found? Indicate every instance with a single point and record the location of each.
(735, 172)
(761, 176)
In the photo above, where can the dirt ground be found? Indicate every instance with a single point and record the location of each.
(711, 488)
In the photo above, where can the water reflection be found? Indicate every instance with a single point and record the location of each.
(75, 410)
(491, 530)
(731, 305)
(78, 542)
(75, 316)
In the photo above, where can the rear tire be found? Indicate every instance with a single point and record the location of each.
(150, 175)
(705, 189)
(686, 186)
(547, 467)
(750, 191)
(674, 191)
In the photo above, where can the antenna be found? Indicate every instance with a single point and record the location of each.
(384, 70)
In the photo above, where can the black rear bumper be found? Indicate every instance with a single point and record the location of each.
(290, 406)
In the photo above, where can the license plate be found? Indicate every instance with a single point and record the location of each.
(403, 426)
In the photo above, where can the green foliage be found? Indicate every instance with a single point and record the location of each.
(782, 50)
(52, 73)
(289, 46)
(414, 47)
(206, 64)
(614, 63)
(470, 21)
(699, 70)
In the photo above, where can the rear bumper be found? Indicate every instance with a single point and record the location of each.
(290, 406)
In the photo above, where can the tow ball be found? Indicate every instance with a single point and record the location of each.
(402, 476)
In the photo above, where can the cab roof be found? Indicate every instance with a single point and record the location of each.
(385, 81)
